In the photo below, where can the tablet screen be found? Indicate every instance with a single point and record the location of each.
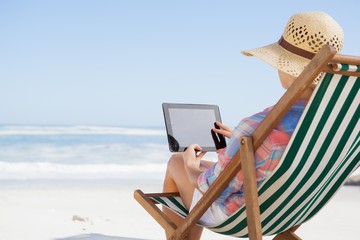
(187, 124)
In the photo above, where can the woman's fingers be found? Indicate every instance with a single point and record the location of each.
(224, 127)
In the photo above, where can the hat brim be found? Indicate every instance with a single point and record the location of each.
(280, 58)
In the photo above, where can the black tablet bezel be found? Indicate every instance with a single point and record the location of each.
(172, 143)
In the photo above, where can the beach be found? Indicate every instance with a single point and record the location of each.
(77, 182)
(95, 210)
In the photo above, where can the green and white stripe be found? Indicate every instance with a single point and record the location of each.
(345, 67)
(173, 203)
(323, 151)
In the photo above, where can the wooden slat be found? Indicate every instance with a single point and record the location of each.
(168, 194)
(154, 211)
(352, 60)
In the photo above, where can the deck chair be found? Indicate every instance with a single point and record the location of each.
(322, 153)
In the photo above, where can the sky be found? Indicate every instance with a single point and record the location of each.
(107, 62)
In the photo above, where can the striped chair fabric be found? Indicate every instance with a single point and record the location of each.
(322, 153)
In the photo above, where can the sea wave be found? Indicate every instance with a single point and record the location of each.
(78, 130)
(45, 170)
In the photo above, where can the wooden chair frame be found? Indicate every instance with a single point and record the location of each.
(244, 159)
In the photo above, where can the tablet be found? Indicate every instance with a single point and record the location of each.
(188, 124)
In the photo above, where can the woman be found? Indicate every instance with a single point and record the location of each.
(191, 176)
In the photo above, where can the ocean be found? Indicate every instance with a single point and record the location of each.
(82, 153)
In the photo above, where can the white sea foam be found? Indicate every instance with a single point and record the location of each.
(45, 170)
(119, 153)
(78, 130)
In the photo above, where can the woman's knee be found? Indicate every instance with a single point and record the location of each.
(175, 161)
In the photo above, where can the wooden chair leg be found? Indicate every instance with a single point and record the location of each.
(250, 189)
(288, 235)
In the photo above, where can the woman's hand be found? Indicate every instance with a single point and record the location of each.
(192, 156)
(192, 162)
(224, 130)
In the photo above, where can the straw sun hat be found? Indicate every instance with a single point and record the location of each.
(304, 35)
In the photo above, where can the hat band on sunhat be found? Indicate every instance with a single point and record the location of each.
(298, 51)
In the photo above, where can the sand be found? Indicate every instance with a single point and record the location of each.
(107, 211)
